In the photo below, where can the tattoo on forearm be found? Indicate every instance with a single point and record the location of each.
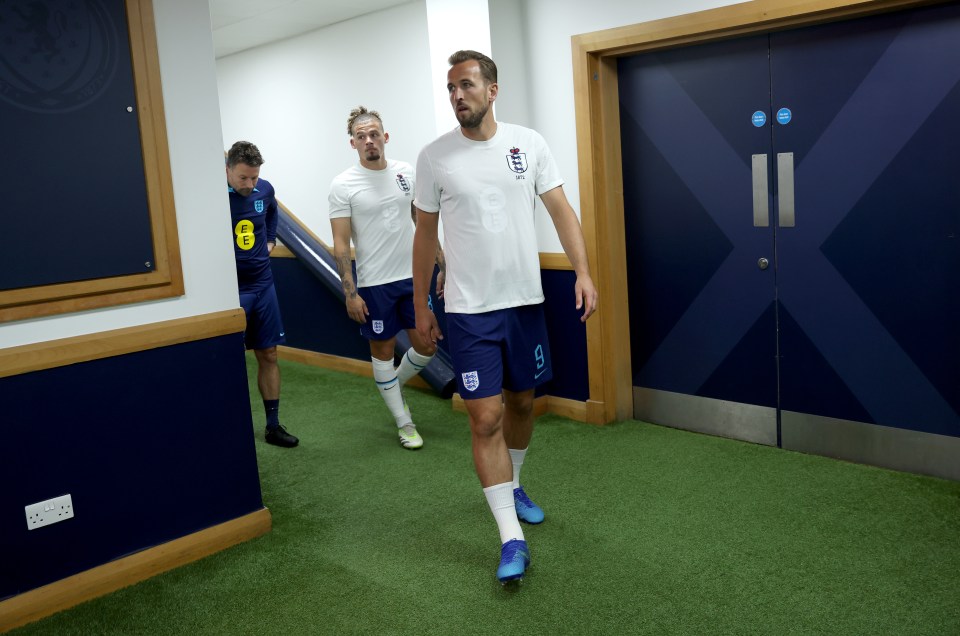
(441, 261)
(346, 276)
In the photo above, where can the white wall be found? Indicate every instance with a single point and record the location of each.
(453, 25)
(188, 74)
(292, 99)
(545, 49)
(509, 48)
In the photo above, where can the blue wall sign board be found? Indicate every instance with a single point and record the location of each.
(855, 319)
(76, 183)
(759, 118)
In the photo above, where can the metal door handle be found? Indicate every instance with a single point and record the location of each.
(761, 209)
(786, 216)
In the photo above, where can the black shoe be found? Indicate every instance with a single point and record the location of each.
(280, 437)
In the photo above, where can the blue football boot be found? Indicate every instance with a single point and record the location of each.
(514, 559)
(527, 511)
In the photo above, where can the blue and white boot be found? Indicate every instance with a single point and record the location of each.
(514, 559)
(527, 511)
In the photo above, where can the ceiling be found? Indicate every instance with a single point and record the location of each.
(243, 24)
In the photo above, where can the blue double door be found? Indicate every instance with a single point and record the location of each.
(792, 211)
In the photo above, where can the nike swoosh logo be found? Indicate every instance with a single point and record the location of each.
(281, 334)
(539, 374)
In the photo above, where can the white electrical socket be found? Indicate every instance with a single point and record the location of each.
(43, 513)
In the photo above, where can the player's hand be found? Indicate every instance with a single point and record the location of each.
(357, 310)
(441, 281)
(427, 325)
(586, 295)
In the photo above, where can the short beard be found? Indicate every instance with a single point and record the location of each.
(473, 120)
(373, 157)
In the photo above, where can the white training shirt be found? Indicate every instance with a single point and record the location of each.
(485, 192)
(378, 205)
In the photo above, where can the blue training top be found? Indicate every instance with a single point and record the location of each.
(254, 221)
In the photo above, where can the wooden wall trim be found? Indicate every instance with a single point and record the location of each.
(596, 102)
(608, 342)
(153, 136)
(362, 368)
(166, 278)
(730, 21)
(110, 577)
(57, 353)
(564, 407)
(554, 261)
(282, 251)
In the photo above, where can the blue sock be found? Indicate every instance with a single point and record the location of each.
(272, 407)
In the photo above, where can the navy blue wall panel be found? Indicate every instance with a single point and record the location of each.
(152, 446)
(315, 320)
(568, 337)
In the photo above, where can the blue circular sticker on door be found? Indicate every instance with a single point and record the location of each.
(784, 116)
(759, 118)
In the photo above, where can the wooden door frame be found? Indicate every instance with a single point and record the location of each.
(596, 97)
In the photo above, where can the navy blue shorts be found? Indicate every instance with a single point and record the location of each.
(496, 350)
(264, 326)
(390, 309)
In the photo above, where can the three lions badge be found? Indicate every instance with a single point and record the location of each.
(471, 381)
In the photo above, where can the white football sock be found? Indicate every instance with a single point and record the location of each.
(389, 387)
(411, 364)
(516, 458)
(500, 500)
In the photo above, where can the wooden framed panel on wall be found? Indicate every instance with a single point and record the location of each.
(89, 205)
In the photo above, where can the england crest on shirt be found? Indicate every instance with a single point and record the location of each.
(470, 380)
(517, 160)
(402, 183)
(377, 326)
(258, 206)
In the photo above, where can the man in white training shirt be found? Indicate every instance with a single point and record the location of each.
(483, 178)
(371, 203)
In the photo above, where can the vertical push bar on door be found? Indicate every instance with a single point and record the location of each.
(785, 215)
(761, 210)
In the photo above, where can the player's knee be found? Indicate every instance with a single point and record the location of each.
(519, 404)
(421, 345)
(383, 349)
(266, 356)
(485, 424)
(425, 348)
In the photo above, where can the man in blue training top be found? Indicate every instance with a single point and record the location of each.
(253, 209)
